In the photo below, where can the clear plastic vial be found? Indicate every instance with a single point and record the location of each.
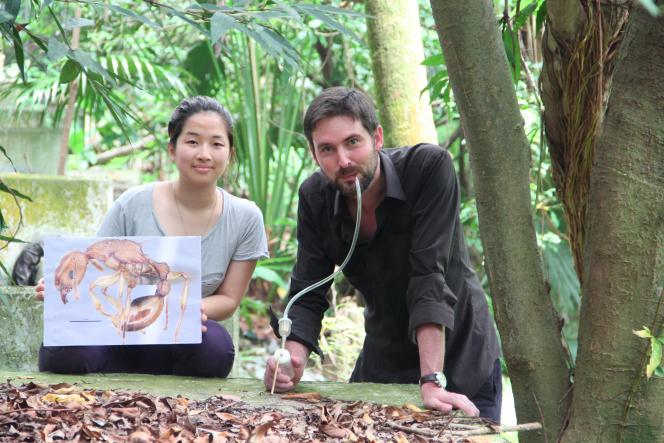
(283, 357)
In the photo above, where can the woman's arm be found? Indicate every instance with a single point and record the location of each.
(223, 303)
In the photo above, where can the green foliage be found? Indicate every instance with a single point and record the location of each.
(654, 351)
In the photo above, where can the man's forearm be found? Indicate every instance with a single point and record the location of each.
(297, 349)
(431, 345)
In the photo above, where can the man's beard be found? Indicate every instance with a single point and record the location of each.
(366, 177)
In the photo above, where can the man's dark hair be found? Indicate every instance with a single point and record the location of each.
(338, 101)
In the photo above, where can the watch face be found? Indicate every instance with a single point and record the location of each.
(441, 380)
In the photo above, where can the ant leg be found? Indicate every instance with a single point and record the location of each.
(104, 281)
(183, 298)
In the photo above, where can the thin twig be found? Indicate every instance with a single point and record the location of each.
(541, 416)
(228, 406)
(447, 424)
(425, 432)
(38, 410)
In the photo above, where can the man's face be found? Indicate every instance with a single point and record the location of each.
(344, 149)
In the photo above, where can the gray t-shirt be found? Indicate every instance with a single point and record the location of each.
(239, 234)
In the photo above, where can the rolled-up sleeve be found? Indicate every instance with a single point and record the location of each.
(429, 298)
(312, 265)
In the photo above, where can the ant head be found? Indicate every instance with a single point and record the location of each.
(70, 273)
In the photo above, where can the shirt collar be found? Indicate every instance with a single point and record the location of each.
(393, 187)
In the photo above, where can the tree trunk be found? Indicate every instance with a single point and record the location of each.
(500, 158)
(71, 105)
(624, 256)
(579, 47)
(395, 41)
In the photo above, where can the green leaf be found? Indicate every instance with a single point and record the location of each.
(12, 7)
(540, 18)
(18, 51)
(644, 333)
(2, 265)
(513, 54)
(78, 23)
(5, 16)
(46, 4)
(435, 79)
(290, 11)
(4, 188)
(70, 71)
(434, 60)
(655, 356)
(12, 239)
(56, 50)
(10, 160)
(130, 14)
(328, 21)
(219, 25)
(88, 62)
(651, 7)
(335, 10)
(241, 2)
(182, 17)
(524, 14)
(268, 274)
(438, 87)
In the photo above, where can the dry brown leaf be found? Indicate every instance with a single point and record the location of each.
(64, 390)
(181, 401)
(107, 394)
(411, 407)
(367, 419)
(302, 396)
(244, 433)
(226, 416)
(25, 377)
(261, 431)
(219, 439)
(419, 439)
(400, 438)
(334, 431)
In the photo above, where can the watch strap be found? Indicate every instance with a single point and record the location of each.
(436, 377)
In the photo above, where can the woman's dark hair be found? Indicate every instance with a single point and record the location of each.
(338, 101)
(192, 106)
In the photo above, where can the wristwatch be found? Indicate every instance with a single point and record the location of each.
(437, 378)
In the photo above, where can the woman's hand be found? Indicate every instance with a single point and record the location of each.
(39, 290)
(203, 316)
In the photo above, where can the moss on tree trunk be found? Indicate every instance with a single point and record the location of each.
(500, 159)
(624, 254)
(395, 41)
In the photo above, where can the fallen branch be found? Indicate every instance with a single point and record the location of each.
(107, 156)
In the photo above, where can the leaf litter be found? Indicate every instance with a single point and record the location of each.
(39, 412)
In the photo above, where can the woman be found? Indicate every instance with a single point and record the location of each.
(232, 240)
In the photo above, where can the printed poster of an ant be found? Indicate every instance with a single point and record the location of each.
(125, 290)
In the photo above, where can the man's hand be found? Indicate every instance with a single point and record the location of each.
(299, 355)
(435, 397)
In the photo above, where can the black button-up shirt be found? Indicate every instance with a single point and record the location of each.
(414, 270)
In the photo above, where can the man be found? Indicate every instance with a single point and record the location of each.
(424, 303)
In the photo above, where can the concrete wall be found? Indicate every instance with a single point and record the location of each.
(33, 150)
(61, 205)
(22, 334)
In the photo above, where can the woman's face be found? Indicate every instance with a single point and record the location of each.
(202, 151)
